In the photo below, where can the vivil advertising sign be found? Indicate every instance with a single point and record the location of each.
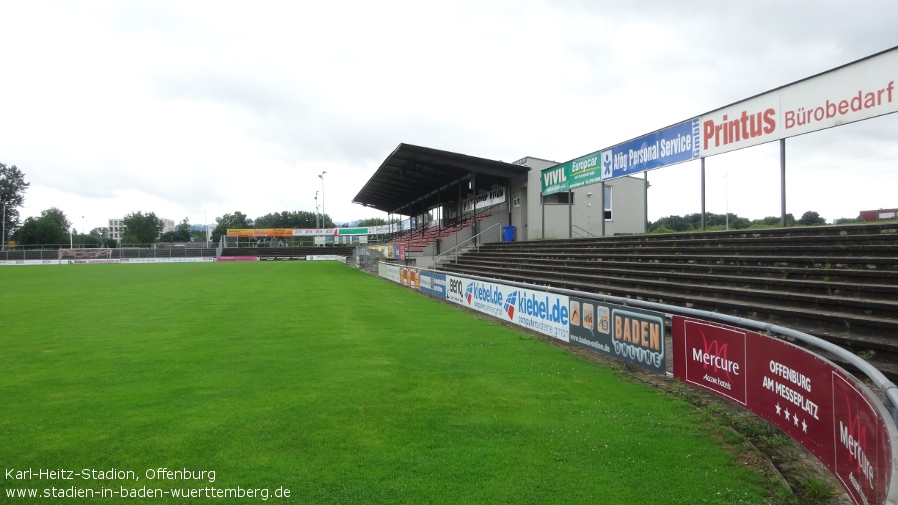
(546, 313)
(582, 171)
(805, 396)
(631, 335)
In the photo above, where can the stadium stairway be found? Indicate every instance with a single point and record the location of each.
(839, 283)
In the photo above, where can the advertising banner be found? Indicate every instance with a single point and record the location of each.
(433, 283)
(485, 200)
(860, 90)
(388, 271)
(410, 277)
(669, 146)
(582, 171)
(546, 313)
(352, 231)
(631, 335)
(803, 395)
(260, 232)
(313, 232)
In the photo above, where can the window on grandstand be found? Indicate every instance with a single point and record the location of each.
(607, 200)
(558, 199)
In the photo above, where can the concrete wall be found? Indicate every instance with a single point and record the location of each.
(627, 207)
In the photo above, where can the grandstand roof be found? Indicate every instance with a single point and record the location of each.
(413, 177)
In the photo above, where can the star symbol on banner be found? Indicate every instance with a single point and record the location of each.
(787, 414)
(804, 426)
(778, 409)
(795, 418)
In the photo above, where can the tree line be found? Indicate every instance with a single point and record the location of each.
(53, 227)
(689, 222)
(140, 228)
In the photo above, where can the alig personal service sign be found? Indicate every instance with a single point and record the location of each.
(803, 395)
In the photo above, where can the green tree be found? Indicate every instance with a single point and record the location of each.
(181, 233)
(286, 219)
(12, 196)
(811, 218)
(236, 220)
(670, 223)
(51, 228)
(101, 236)
(373, 221)
(140, 228)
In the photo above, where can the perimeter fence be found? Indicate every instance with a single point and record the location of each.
(775, 372)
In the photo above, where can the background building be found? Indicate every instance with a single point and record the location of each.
(116, 228)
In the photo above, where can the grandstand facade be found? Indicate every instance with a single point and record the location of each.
(456, 200)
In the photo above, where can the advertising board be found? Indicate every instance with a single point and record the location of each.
(546, 313)
(582, 171)
(675, 144)
(857, 91)
(388, 271)
(632, 335)
(410, 277)
(803, 395)
(433, 283)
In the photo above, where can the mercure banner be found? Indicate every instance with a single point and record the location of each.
(803, 395)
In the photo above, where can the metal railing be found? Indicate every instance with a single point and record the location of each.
(888, 401)
(457, 245)
(584, 234)
(887, 388)
(113, 253)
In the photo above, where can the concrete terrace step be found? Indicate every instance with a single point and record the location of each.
(821, 285)
(870, 263)
(783, 271)
(834, 325)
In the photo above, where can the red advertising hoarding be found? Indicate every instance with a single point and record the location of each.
(805, 396)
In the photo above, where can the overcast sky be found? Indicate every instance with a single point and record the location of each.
(197, 109)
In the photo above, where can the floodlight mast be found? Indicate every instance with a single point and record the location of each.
(316, 210)
(321, 176)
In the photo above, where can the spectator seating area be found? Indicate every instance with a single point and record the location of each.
(839, 283)
(417, 240)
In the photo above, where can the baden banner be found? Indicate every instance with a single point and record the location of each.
(807, 397)
(632, 335)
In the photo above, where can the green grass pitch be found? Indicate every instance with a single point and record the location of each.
(314, 379)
